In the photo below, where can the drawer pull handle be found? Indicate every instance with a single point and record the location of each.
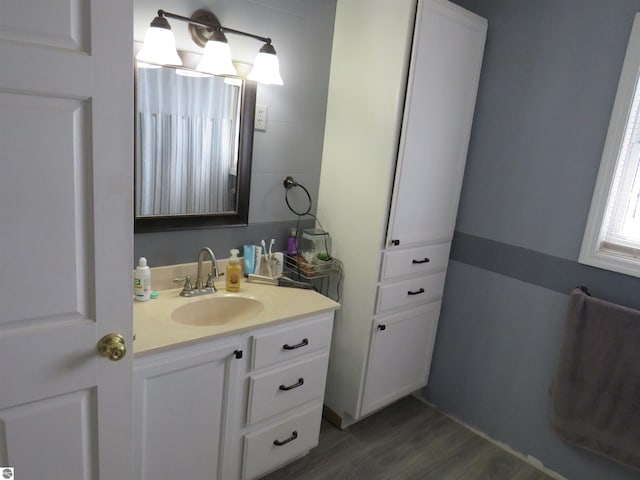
(295, 385)
(303, 343)
(426, 260)
(417, 292)
(293, 436)
(395, 243)
(382, 327)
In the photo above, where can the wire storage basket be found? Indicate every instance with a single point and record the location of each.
(311, 268)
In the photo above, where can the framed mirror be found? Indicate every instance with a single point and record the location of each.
(193, 148)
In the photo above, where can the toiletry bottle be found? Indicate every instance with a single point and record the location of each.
(234, 272)
(249, 258)
(142, 281)
(257, 264)
(292, 242)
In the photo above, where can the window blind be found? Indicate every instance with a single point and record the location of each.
(621, 228)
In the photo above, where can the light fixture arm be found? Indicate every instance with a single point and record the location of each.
(211, 25)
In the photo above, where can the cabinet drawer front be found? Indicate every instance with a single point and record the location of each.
(282, 441)
(430, 258)
(291, 342)
(276, 391)
(410, 292)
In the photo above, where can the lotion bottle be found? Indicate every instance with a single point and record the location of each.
(234, 272)
(292, 242)
(142, 281)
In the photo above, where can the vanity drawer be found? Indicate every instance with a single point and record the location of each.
(279, 390)
(291, 342)
(280, 442)
(419, 260)
(410, 292)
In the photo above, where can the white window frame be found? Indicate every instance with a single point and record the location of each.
(593, 252)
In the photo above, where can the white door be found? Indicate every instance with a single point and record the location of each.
(445, 67)
(66, 147)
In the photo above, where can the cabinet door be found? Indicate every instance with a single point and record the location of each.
(400, 355)
(445, 67)
(181, 406)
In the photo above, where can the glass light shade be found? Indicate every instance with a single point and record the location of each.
(159, 47)
(266, 69)
(216, 59)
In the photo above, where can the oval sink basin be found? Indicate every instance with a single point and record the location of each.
(217, 311)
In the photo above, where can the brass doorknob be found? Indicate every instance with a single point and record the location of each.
(112, 346)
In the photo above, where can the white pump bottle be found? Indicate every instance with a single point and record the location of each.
(142, 281)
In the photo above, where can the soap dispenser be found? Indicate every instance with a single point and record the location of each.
(234, 273)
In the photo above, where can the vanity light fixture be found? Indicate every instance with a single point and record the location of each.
(159, 47)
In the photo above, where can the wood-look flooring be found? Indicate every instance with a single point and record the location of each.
(407, 440)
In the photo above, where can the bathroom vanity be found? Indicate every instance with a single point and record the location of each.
(233, 398)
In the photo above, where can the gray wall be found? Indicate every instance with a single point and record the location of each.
(547, 88)
(302, 33)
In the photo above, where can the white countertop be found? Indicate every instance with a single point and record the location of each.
(155, 330)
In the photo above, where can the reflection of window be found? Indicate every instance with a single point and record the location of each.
(612, 236)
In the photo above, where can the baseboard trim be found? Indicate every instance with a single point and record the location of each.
(333, 417)
(534, 462)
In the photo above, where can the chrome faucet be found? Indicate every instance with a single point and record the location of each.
(201, 288)
(212, 275)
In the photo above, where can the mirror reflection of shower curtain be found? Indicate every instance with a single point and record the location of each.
(187, 143)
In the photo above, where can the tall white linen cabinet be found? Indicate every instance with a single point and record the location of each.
(402, 92)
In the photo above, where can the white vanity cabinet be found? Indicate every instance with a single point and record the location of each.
(391, 204)
(231, 408)
(183, 407)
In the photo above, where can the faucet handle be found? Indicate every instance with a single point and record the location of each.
(187, 283)
(210, 284)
